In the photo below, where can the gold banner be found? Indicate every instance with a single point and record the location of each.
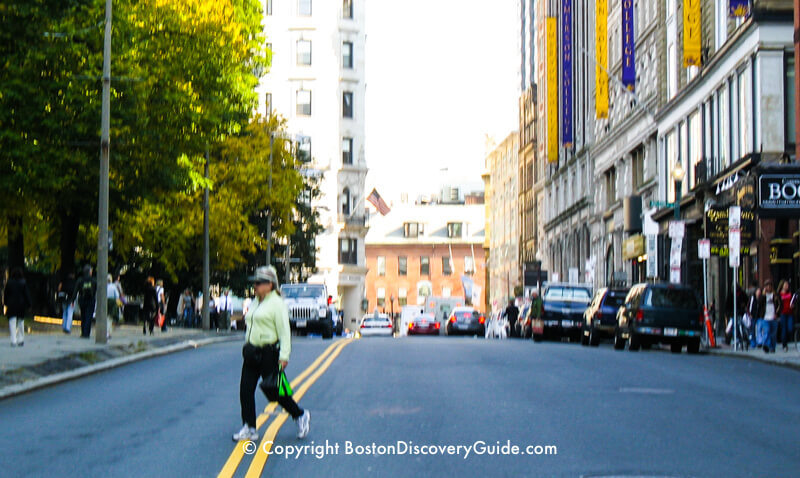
(552, 89)
(691, 33)
(601, 53)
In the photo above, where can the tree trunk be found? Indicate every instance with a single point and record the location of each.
(16, 242)
(70, 223)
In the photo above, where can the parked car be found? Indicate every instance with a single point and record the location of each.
(600, 318)
(466, 321)
(376, 324)
(660, 313)
(563, 306)
(424, 324)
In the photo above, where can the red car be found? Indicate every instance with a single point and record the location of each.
(424, 324)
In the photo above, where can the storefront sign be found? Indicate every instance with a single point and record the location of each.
(566, 73)
(552, 89)
(692, 45)
(779, 195)
(601, 56)
(628, 46)
(717, 230)
(739, 8)
(633, 247)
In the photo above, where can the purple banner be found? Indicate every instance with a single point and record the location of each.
(566, 72)
(628, 46)
(739, 8)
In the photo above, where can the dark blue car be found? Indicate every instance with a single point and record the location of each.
(600, 318)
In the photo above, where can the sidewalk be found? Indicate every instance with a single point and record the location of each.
(786, 359)
(50, 356)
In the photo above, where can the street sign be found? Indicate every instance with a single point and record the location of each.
(734, 217)
(676, 229)
(652, 256)
(734, 239)
(704, 249)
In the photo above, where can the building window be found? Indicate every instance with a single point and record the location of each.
(469, 265)
(381, 266)
(347, 104)
(611, 187)
(402, 296)
(424, 266)
(637, 168)
(455, 230)
(695, 143)
(671, 154)
(348, 251)
(268, 104)
(303, 103)
(304, 8)
(672, 71)
(402, 266)
(347, 150)
(347, 55)
(724, 127)
(303, 52)
(268, 7)
(447, 267)
(788, 102)
(346, 202)
(381, 297)
(446, 292)
(304, 149)
(347, 8)
(412, 229)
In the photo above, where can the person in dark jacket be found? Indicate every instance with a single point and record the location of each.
(755, 308)
(66, 300)
(17, 301)
(512, 314)
(85, 292)
(150, 306)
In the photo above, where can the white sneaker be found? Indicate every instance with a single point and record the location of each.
(303, 424)
(245, 434)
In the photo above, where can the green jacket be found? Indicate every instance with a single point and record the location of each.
(536, 308)
(268, 322)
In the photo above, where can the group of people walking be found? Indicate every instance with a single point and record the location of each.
(770, 311)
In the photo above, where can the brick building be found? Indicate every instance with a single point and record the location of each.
(409, 253)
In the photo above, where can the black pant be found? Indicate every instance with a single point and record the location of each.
(149, 321)
(247, 389)
(87, 314)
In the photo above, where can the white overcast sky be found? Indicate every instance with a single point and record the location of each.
(441, 74)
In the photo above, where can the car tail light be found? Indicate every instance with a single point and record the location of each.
(639, 315)
(363, 326)
(482, 319)
(453, 318)
(411, 325)
(389, 325)
(436, 325)
(599, 315)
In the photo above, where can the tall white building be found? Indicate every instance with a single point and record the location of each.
(317, 82)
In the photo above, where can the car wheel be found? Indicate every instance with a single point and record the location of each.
(676, 348)
(647, 346)
(693, 347)
(538, 337)
(584, 337)
(619, 343)
(633, 342)
(594, 340)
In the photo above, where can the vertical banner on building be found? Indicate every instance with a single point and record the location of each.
(628, 46)
(601, 55)
(739, 8)
(692, 47)
(552, 89)
(566, 72)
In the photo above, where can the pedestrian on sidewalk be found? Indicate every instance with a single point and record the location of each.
(122, 301)
(266, 352)
(511, 314)
(85, 292)
(772, 305)
(149, 306)
(66, 299)
(225, 309)
(186, 309)
(112, 297)
(787, 314)
(162, 304)
(755, 308)
(213, 315)
(17, 300)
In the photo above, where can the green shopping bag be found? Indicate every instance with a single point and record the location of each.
(284, 388)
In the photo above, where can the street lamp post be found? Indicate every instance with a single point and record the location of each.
(101, 329)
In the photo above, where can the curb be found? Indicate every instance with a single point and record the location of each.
(781, 363)
(43, 382)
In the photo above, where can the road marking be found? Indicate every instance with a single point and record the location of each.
(53, 321)
(237, 454)
(260, 457)
(652, 391)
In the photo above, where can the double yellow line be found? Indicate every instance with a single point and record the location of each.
(260, 456)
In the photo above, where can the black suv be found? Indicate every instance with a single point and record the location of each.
(660, 313)
(600, 318)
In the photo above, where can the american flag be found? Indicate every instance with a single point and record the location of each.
(378, 202)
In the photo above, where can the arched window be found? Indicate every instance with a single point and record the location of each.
(610, 265)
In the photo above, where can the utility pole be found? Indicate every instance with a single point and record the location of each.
(206, 252)
(288, 256)
(269, 213)
(101, 330)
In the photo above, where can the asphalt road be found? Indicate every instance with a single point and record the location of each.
(608, 413)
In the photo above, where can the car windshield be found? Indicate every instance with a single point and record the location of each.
(614, 300)
(674, 298)
(302, 291)
(567, 293)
